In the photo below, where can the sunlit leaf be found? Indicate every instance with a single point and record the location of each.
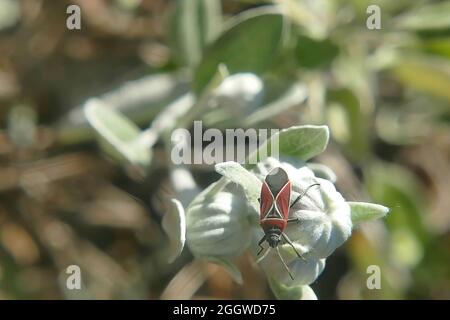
(431, 16)
(250, 44)
(184, 184)
(322, 171)
(363, 211)
(294, 96)
(303, 142)
(439, 46)
(238, 174)
(140, 100)
(174, 224)
(118, 132)
(195, 23)
(9, 13)
(431, 76)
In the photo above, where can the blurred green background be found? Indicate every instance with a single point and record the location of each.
(384, 93)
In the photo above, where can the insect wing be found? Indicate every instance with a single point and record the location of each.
(283, 200)
(266, 200)
(278, 182)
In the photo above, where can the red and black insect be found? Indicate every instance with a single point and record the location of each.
(274, 211)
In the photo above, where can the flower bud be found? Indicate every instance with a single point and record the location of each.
(218, 226)
(324, 220)
(304, 272)
(324, 223)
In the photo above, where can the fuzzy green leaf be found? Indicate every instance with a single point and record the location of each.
(120, 134)
(238, 174)
(426, 74)
(249, 45)
(174, 224)
(322, 171)
(362, 211)
(430, 17)
(303, 142)
(195, 23)
(312, 53)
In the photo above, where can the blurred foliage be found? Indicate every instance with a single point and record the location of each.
(145, 67)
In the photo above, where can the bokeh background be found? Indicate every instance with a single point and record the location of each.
(384, 94)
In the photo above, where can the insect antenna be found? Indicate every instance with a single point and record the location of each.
(284, 264)
(303, 194)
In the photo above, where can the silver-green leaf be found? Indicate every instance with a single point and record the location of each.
(430, 17)
(303, 142)
(239, 175)
(322, 171)
(195, 23)
(120, 134)
(363, 211)
(294, 96)
(174, 224)
(251, 42)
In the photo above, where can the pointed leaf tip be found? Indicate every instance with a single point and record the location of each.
(363, 211)
(241, 176)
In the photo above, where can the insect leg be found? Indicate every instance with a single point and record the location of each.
(284, 264)
(285, 237)
(303, 194)
(263, 256)
(293, 220)
(260, 245)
